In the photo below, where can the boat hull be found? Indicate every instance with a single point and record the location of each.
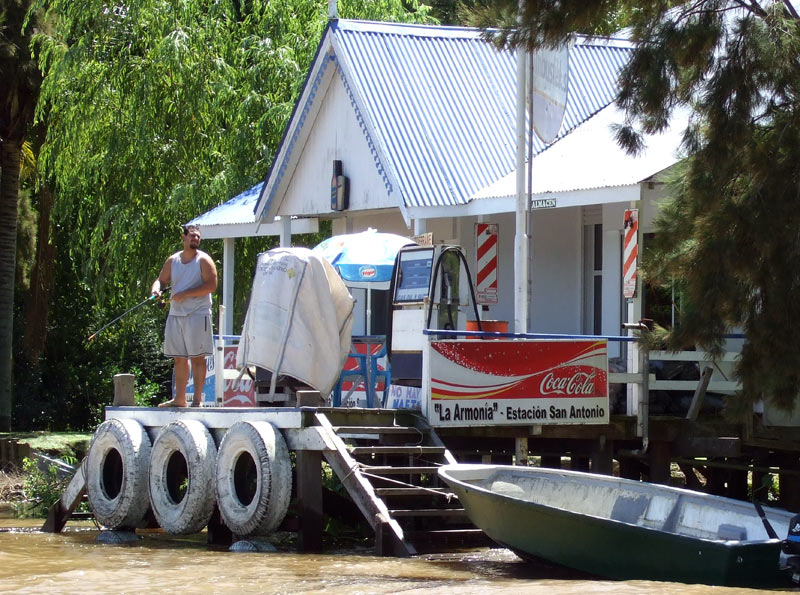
(613, 549)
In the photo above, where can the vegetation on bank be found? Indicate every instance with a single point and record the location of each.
(133, 119)
(31, 488)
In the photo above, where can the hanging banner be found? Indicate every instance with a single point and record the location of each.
(486, 248)
(630, 252)
(528, 382)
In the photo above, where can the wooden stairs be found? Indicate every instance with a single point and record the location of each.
(388, 460)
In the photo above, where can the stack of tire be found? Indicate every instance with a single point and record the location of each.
(182, 475)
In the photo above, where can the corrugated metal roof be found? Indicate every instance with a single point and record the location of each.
(237, 210)
(441, 101)
(590, 158)
(440, 104)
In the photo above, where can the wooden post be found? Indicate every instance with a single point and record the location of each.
(789, 483)
(659, 458)
(715, 480)
(5, 452)
(218, 532)
(759, 489)
(124, 390)
(309, 500)
(630, 468)
(551, 461)
(579, 462)
(737, 484)
(601, 458)
(521, 451)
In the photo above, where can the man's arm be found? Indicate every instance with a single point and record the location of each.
(163, 278)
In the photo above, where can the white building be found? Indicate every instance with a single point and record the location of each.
(422, 120)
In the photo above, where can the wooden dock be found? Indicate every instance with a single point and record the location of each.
(387, 462)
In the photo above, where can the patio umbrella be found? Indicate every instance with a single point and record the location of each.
(364, 260)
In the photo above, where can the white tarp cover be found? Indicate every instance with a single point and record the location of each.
(300, 319)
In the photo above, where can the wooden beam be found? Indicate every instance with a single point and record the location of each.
(699, 393)
(63, 507)
(708, 446)
(362, 492)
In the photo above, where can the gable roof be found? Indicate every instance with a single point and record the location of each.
(234, 219)
(436, 105)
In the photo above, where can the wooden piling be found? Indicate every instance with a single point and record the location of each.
(659, 459)
(124, 390)
(602, 457)
(309, 500)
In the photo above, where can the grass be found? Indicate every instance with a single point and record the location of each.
(55, 444)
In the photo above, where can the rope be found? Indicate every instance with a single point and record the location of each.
(447, 495)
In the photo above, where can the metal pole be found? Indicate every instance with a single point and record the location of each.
(521, 235)
(219, 360)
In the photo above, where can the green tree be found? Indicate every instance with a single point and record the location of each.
(154, 112)
(163, 109)
(729, 231)
(18, 96)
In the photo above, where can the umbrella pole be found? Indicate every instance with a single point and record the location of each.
(369, 311)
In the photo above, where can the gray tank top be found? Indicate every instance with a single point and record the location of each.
(183, 277)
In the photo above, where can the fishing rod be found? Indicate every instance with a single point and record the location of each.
(128, 311)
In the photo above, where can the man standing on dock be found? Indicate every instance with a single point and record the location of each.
(192, 275)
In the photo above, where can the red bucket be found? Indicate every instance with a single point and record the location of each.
(488, 326)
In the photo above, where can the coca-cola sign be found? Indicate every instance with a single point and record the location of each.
(518, 382)
(578, 384)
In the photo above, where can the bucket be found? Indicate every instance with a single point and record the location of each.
(489, 326)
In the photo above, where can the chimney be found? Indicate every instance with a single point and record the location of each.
(332, 12)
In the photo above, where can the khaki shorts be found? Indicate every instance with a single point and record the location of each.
(188, 336)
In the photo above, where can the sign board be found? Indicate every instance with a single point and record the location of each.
(403, 397)
(550, 83)
(544, 203)
(424, 239)
(486, 239)
(506, 382)
(237, 394)
(630, 252)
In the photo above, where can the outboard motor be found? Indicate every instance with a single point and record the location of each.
(791, 547)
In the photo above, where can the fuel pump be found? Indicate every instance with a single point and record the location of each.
(426, 288)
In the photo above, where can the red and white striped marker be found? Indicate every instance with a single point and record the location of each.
(630, 252)
(486, 247)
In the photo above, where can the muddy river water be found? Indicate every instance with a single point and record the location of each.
(74, 562)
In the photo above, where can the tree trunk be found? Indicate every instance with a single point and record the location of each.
(9, 194)
(37, 306)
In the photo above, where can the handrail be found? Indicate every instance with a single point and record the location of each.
(489, 335)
